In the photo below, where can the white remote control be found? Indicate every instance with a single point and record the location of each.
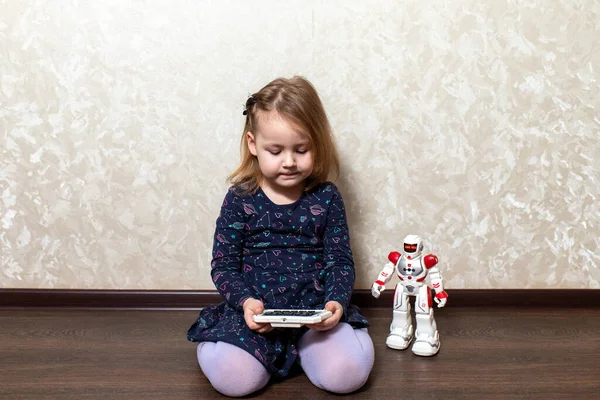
(291, 318)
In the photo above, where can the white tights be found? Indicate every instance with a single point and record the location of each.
(339, 361)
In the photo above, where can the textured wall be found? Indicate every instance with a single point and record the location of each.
(473, 123)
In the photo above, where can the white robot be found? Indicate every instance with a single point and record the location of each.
(412, 269)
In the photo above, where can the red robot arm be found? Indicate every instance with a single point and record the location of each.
(394, 256)
(430, 260)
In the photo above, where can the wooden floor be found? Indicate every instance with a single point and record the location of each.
(495, 353)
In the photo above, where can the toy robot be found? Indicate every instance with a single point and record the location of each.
(412, 269)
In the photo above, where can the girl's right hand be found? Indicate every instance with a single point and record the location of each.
(251, 308)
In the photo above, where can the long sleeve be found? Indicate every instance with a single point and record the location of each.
(339, 268)
(227, 253)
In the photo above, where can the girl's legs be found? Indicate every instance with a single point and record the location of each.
(231, 370)
(338, 360)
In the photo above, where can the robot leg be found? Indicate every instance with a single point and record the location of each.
(401, 329)
(427, 341)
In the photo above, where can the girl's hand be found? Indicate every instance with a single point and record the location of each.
(252, 307)
(336, 313)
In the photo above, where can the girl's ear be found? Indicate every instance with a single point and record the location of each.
(251, 143)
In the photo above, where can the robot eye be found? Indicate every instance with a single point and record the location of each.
(411, 248)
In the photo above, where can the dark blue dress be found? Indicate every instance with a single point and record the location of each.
(293, 256)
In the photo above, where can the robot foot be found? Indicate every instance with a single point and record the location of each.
(427, 347)
(399, 339)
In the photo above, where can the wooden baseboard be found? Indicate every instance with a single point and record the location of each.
(196, 299)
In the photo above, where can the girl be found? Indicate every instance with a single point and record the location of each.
(282, 241)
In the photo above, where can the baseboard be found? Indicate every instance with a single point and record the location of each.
(196, 299)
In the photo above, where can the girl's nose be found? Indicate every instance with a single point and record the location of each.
(289, 160)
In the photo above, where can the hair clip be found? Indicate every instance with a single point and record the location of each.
(249, 103)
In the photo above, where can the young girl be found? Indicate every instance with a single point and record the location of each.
(282, 241)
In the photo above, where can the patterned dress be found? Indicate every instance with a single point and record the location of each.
(293, 256)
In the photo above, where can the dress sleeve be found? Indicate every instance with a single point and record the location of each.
(228, 246)
(339, 267)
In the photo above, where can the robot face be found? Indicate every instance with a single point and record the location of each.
(413, 245)
(410, 248)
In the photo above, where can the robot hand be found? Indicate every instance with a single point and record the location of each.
(376, 289)
(441, 298)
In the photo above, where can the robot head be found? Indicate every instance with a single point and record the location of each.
(413, 245)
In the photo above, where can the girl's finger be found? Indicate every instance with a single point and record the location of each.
(263, 328)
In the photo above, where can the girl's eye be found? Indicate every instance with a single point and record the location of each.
(302, 151)
(274, 152)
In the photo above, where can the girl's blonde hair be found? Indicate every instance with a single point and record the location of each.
(296, 100)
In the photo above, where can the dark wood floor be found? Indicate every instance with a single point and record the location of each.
(496, 353)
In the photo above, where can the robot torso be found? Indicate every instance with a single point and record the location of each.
(412, 272)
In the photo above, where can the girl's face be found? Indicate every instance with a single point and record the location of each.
(284, 153)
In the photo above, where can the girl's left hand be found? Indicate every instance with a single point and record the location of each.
(336, 313)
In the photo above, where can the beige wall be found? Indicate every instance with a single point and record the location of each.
(472, 123)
